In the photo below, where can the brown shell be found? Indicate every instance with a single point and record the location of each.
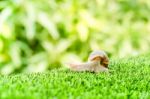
(101, 55)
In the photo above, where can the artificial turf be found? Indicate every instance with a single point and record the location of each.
(128, 78)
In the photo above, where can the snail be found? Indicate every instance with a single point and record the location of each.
(97, 62)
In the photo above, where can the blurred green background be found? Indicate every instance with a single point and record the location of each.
(38, 35)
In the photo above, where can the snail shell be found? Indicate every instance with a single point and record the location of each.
(100, 56)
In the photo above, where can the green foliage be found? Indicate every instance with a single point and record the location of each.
(128, 78)
(36, 35)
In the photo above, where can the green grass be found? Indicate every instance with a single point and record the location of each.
(128, 78)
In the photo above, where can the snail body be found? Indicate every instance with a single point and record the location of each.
(97, 62)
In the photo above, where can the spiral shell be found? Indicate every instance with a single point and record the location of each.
(101, 56)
